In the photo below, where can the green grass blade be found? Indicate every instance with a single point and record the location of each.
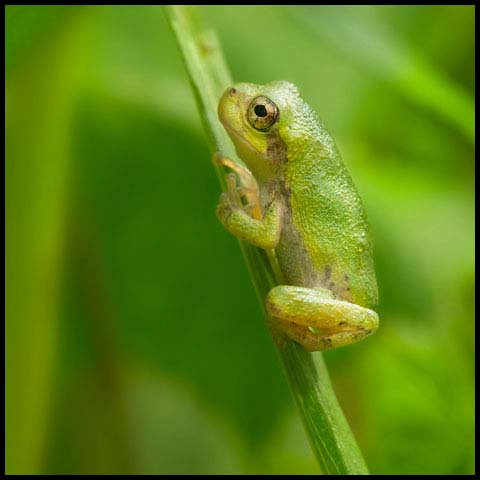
(329, 433)
(37, 162)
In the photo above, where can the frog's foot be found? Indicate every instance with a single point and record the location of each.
(233, 199)
(244, 174)
(247, 188)
(239, 219)
(316, 320)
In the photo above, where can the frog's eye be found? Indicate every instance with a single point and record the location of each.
(262, 113)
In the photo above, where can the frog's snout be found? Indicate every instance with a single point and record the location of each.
(232, 107)
(227, 104)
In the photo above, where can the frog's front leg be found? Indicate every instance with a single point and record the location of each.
(263, 232)
(316, 320)
(248, 185)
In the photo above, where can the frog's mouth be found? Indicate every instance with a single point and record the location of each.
(244, 141)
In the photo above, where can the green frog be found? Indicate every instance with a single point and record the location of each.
(297, 200)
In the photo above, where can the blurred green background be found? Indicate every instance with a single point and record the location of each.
(134, 339)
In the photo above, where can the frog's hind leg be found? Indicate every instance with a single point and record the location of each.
(316, 320)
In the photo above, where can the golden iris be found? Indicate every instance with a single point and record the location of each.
(262, 113)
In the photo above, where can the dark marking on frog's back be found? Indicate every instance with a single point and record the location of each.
(327, 342)
(276, 149)
(285, 191)
(327, 273)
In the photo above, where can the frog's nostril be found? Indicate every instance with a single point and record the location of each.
(233, 91)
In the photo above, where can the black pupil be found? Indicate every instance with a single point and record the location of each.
(260, 111)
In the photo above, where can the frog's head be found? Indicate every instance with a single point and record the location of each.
(262, 120)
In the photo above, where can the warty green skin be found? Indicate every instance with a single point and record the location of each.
(313, 219)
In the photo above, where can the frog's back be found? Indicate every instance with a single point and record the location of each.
(326, 239)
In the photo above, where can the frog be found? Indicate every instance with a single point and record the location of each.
(294, 198)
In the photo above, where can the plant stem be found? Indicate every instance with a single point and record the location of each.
(328, 431)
